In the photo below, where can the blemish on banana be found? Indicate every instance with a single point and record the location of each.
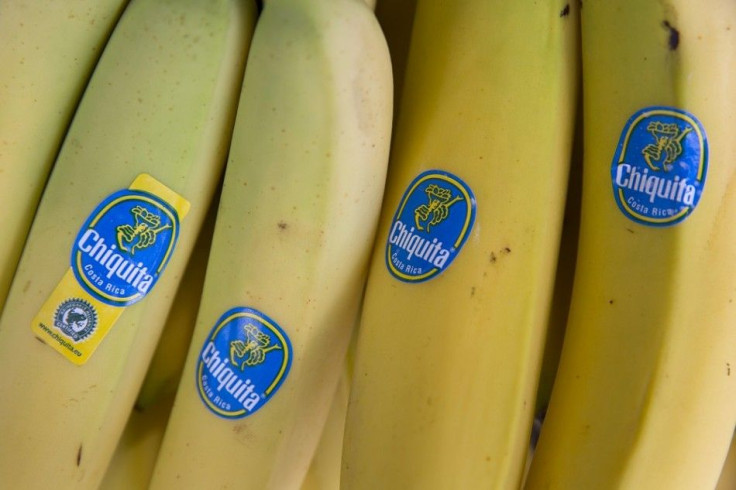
(565, 11)
(40, 339)
(674, 39)
(472, 291)
(610, 301)
(27, 286)
(79, 455)
(282, 225)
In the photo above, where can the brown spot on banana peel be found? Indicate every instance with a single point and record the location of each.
(504, 251)
(674, 38)
(40, 339)
(79, 455)
(565, 11)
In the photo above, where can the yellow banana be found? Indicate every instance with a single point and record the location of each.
(451, 337)
(135, 455)
(295, 224)
(47, 52)
(156, 118)
(645, 388)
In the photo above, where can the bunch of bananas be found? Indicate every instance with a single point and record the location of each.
(348, 244)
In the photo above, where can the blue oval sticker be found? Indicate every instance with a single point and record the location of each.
(124, 246)
(660, 166)
(244, 360)
(430, 226)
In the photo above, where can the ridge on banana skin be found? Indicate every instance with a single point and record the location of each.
(160, 103)
(297, 215)
(644, 392)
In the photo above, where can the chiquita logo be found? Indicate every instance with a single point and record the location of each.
(243, 362)
(660, 166)
(431, 224)
(124, 246)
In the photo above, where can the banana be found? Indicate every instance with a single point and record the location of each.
(47, 52)
(450, 341)
(132, 463)
(645, 388)
(146, 147)
(295, 224)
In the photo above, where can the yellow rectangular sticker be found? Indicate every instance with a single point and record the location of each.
(117, 257)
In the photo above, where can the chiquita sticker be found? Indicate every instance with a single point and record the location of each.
(660, 166)
(244, 360)
(124, 245)
(432, 222)
(117, 257)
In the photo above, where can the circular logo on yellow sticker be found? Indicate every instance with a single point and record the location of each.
(76, 318)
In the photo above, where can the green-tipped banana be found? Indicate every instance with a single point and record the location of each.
(453, 325)
(48, 49)
(645, 390)
(112, 236)
(296, 220)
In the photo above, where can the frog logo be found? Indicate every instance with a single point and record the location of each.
(244, 361)
(142, 234)
(76, 318)
(433, 220)
(660, 166)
